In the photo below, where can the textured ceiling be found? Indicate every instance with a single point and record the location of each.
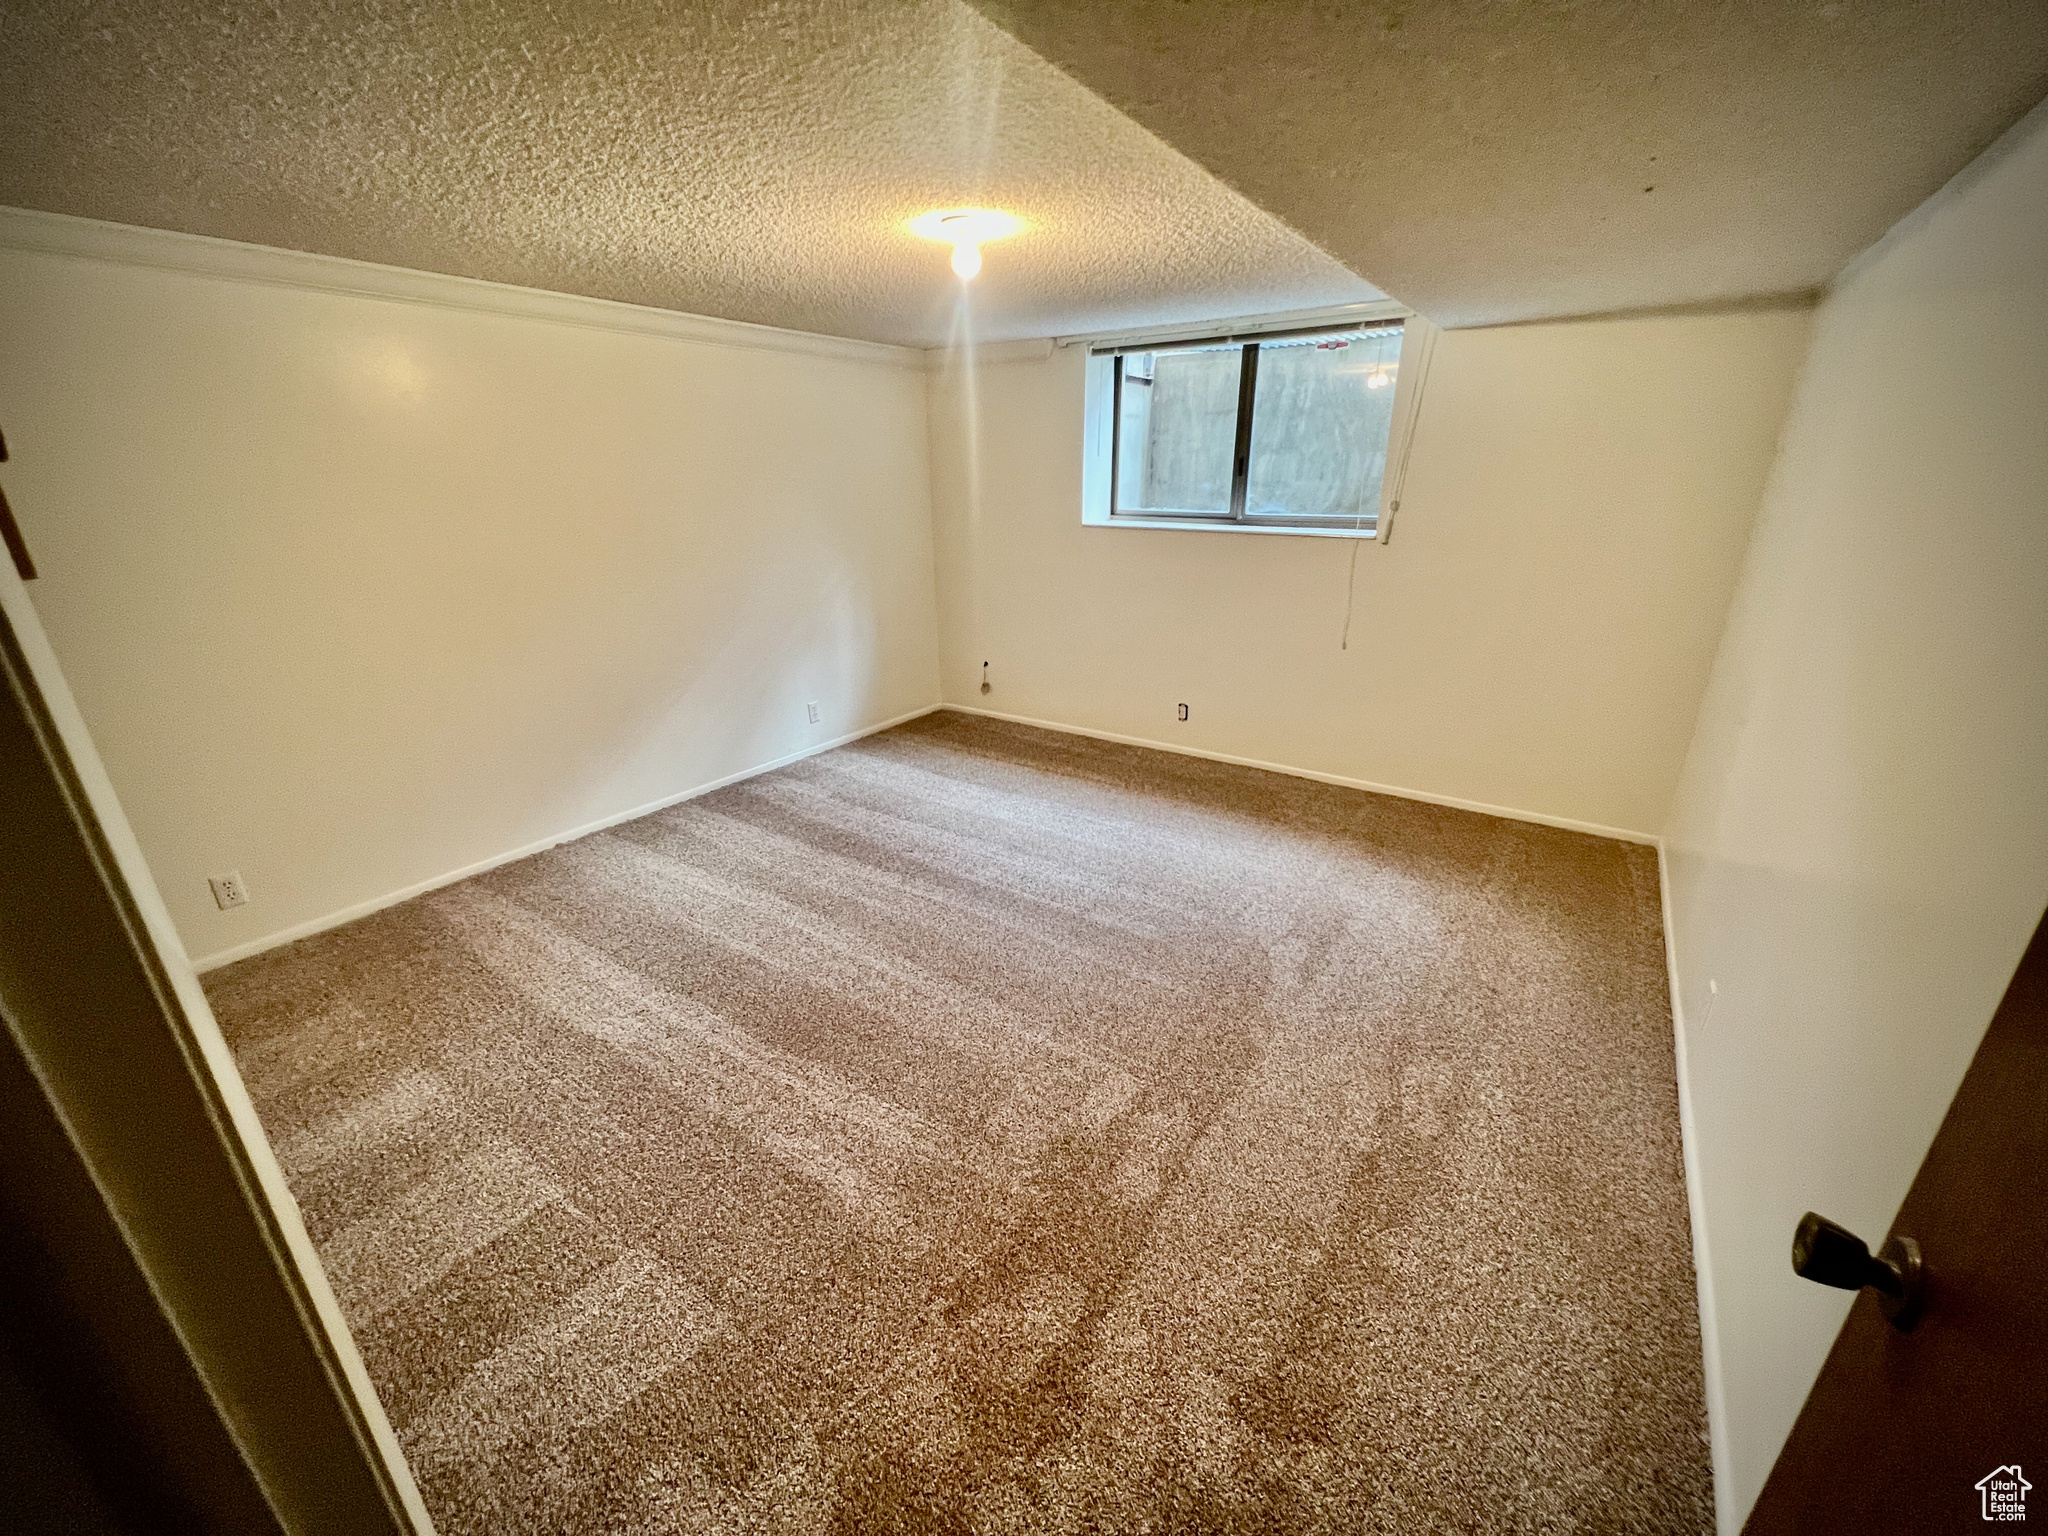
(1494, 160)
(754, 161)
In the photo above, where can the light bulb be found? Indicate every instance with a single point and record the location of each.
(967, 230)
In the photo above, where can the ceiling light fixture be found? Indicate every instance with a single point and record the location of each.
(967, 230)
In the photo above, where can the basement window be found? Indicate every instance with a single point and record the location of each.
(1285, 431)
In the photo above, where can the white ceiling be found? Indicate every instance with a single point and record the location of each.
(1483, 160)
(753, 161)
(1501, 160)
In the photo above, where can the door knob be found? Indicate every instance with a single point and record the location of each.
(1832, 1255)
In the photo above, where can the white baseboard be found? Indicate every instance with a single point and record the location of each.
(1505, 812)
(349, 914)
(1727, 1519)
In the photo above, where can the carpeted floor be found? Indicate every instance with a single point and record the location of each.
(981, 1129)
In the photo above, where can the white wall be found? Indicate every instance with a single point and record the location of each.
(1535, 636)
(359, 591)
(1859, 849)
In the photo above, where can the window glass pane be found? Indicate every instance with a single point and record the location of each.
(1178, 430)
(1320, 422)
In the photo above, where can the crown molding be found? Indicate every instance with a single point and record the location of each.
(62, 234)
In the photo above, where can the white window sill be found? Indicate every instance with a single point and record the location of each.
(1190, 525)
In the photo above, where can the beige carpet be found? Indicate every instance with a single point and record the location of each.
(979, 1129)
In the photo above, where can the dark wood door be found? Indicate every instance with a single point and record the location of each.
(1901, 1428)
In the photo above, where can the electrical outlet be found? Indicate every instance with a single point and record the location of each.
(811, 711)
(1183, 711)
(228, 889)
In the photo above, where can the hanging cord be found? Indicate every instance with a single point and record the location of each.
(1350, 597)
(1386, 527)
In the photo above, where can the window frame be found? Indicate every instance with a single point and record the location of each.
(1103, 421)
